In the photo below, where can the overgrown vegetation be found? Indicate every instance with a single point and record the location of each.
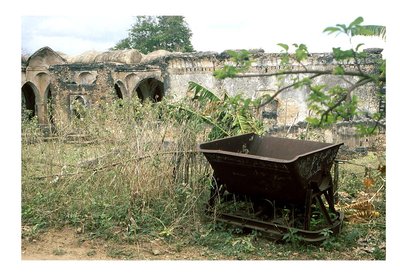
(226, 115)
(130, 172)
(129, 169)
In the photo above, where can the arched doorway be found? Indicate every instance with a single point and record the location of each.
(78, 107)
(151, 89)
(28, 101)
(118, 91)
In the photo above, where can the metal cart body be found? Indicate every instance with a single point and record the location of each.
(283, 171)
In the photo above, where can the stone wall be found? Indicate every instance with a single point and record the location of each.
(59, 80)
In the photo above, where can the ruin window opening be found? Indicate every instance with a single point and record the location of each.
(118, 91)
(78, 107)
(86, 78)
(28, 104)
(150, 89)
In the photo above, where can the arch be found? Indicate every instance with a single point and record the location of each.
(78, 105)
(120, 90)
(29, 100)
(42, 81)
(80, 99)
(150, 88)
(130, 82)
(45, 57)
(86, 78)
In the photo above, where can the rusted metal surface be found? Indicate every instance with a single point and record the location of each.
(276, 231)
(287, 172)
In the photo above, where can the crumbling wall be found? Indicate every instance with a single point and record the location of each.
(93, 84)
(291, 106)
(96, 81)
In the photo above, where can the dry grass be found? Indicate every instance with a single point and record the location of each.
(139, 173)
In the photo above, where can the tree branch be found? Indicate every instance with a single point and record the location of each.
(320, 72)
(283, 89)
(343, 98)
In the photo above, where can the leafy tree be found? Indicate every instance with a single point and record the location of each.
(151, 33)
(122, 44)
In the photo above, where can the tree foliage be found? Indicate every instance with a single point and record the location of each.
(151, 33)
(371, 30)
(327, 104)
(355, 29)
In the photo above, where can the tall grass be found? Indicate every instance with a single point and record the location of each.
(119, 170)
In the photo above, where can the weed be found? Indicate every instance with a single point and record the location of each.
(243, 244)
(292, 237)
(119, 253)
(326, 233)
(91, 253)
(379, 254)
(59, 251)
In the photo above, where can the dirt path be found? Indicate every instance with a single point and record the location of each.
(66, 244)
(62, 244)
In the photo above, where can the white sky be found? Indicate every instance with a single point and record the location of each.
(215, 27)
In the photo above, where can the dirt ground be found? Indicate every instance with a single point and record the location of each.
(67, 244)
(61, 245)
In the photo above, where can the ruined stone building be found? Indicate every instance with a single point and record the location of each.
(52, 81)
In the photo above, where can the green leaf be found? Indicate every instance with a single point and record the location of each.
(340, 54)
(356, 22)
(243, 122)
(343, 28)
(231, 53)
(358, 46)
(285, 59)
(370, 30)
(312, 121)
(301, 52)
(201, 93)
(228, 71)
(331, 30)
(338, 70)
(284, 46)
(242, 63)
(204, 118)
(303, 82)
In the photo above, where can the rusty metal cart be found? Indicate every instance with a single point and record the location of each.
(277, 176)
